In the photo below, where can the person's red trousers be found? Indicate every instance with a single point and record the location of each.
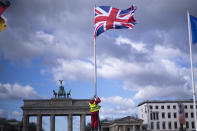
(94, 119)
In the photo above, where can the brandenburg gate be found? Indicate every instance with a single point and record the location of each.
(61, 106)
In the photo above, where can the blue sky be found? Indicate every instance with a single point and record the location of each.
(46, 41)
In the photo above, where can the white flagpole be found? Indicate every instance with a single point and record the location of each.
(192, 69)
(95, 66)
(95, 69)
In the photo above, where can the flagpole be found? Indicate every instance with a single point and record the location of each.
(95, 64)
(95, 69)
(192, 69)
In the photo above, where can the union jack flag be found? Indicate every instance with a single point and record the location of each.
(107, 17)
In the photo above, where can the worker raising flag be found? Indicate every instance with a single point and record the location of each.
(107, 17)
(193, 21)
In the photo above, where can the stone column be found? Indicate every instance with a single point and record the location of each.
(70, 122)
(52, 123)
(25, 122)
(133, 127)
(124, 128)
(140, 127)
(82, 122)
(39, 123)
(116, 128)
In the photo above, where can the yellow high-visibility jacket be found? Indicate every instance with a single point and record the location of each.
(94, 107)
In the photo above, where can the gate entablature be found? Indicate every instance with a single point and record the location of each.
(62, 106)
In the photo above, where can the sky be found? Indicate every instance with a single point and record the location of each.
(47, 41)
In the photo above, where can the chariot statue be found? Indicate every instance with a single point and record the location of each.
(61, 93)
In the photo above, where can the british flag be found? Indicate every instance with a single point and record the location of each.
(107, 17)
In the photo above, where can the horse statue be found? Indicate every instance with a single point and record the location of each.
(69, 94)
(55, 93)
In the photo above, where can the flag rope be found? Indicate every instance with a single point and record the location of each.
(95, 63)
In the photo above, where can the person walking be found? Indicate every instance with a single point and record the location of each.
(94, 109)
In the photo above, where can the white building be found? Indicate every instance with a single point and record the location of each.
(164, 115)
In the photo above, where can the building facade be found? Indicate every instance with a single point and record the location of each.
(164, 115)
(128, 123)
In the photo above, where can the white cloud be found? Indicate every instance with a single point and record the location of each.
(73, 70)
(150, 92)
(117, 68)
(118, 100)
(16, 113)
(3, 113)
(118, 106)
(138, 46)
(17, 91)
(166, 52)
(160, 72)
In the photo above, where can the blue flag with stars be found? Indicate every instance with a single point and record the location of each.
(193, 21)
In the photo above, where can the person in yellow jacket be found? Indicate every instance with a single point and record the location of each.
(94, 108)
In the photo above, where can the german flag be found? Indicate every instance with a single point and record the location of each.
(4, 4)
(2, 24)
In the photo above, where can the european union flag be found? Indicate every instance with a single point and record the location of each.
(193, 21)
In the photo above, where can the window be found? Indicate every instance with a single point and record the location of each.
(158, 125)
(193, 125)
(152, 125)
(191, 106)
(186, 115)
(156, 107)
(174, 107)
(168, 106)
(162, 107)
(192, 115)
(154, 117)
(151, 116)
(164, 125)
(196, 107)
(163, 114)
(169, 125)
(157, 115)
(185, 106)
(151, 107)
(187, 124)
(175, 125)
(128, 129)
(174, 115)
(169, 115)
